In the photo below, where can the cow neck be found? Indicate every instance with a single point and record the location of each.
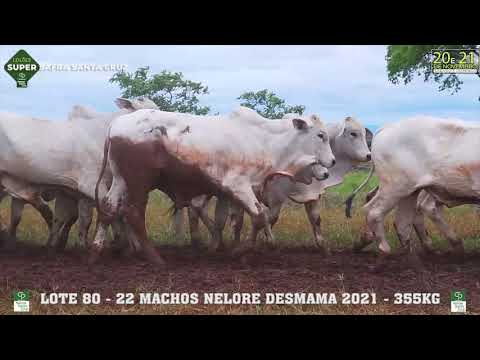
(279, 148)
(343, 163)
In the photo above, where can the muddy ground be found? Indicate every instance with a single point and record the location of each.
(279, 270)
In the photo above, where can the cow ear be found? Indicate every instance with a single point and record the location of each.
(369, 137)
(316, 120)
(343, 128)
(299, 124)
(123, 103)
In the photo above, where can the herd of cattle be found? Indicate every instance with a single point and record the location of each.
(112, 161)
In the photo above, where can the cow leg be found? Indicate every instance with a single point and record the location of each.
(26, 192)
(131, 239)
(179, 230)
(273, 220)
(110, 204)
(273, 215)
(66, 214)
(251, 240)
(135, 215)
(98, 242)
(85, 216)
(221, 215)
(404, 218)
(3, 232)
(16, 210)
(257, 211)
(237, 220)
(366, 238)
(377, 209)
(422, 233)
(42, 207)
(63, 239)
(313, 212)
(202, 212)
(120, 243)
(194, 222)
(124, 239)
(435, 213)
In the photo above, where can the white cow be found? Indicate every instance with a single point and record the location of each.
(440, 156)
(348, 141)
(40, 155)
(186, 156)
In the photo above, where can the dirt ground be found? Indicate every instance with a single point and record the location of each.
(299, 270)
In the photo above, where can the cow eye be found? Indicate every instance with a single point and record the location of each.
(321, 136)
(353, 134)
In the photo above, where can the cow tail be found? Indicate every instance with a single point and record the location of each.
(349, 201)
(106, 149)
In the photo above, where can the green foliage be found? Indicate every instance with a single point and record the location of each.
(169, 90)
(268, 104)
(351, 182)
(405, 61)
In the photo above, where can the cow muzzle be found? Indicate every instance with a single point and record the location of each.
(328, 164)
(320, 173)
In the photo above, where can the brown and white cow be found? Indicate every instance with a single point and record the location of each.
(186, 156)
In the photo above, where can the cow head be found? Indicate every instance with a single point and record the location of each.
(312, 139)
(352, 141)
(307, 174)
(135, 104)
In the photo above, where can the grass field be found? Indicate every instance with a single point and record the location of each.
(292, 229)
(283, 271)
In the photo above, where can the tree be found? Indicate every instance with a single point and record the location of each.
(169, 90)
(268, 104)
(405, 61)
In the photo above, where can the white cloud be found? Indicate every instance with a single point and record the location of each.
(333, 81)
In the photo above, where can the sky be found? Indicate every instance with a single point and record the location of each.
(331, 81)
